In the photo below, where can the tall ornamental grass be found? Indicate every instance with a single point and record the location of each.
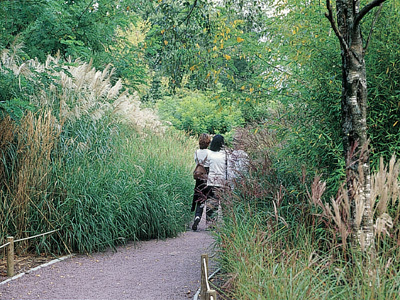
(282, 243)
(89, 162)
(137, 189)
(264, 265)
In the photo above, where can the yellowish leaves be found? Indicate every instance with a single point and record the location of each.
(251, 90)
(162, 31)
(215, 48)
(239, 39)
(242, 88)
(165, 42)
(227, 57)
(395, 123)
(236, 22)
(192, 68)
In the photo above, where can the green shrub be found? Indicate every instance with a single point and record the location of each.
(196, 113)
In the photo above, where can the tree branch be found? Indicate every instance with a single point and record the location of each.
(329, 16)
(190, 12)
(372, 27)
(186, 19)
(365, 10)
(83, 12)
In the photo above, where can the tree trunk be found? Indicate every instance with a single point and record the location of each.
(354, 127)
(354, 118)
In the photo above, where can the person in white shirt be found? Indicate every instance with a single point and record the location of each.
(217, 175)
(200, 188)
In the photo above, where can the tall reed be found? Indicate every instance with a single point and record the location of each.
(29, 169)
(103, 172)
(279, 243)
(264, 265)
(138, 188)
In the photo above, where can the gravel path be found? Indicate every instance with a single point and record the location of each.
(164, 270)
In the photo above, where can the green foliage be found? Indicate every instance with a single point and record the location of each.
(117, 190)
(107, 188)
(89, 172)
(275, 244)
(15, 108)
(76, 29)
(273, 235)
(178, 38)
(286, 263)
(198, 112)
(383, 74)
(19, 82)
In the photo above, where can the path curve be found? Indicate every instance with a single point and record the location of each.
(150, 270)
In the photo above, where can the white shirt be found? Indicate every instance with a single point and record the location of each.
(218, 172)
(200, 155)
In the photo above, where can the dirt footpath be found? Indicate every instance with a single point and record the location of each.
(164, 270)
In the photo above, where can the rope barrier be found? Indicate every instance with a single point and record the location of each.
(10, 250)
(28, 238)
(5, 245)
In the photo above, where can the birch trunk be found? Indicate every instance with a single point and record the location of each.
(354, 118)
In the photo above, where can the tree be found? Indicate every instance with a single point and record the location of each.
(87, 29)
(354, 114)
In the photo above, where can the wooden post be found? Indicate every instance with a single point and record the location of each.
(212, 295)
(204, 275)
(10, 256)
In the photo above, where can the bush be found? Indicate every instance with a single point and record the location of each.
(196, 113)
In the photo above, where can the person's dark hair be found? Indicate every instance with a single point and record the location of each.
(204, 140)
(217, 143)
